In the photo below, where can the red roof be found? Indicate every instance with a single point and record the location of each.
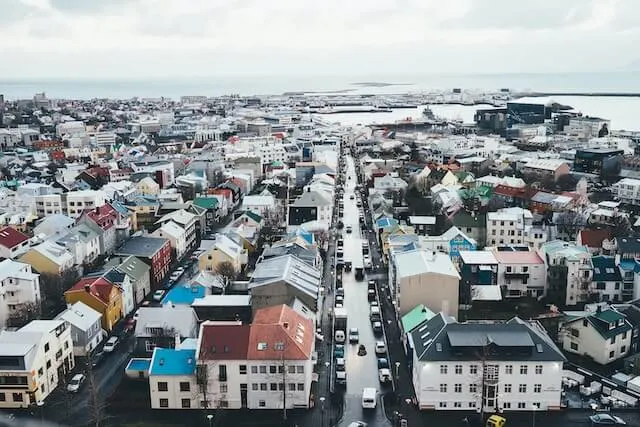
(594, 238)
(222, 192)
(99, 287)
(223, 341)
(507, 191)
(518, 257)
(104, 216)
(10, 237)
(280, 325)
(239, 182)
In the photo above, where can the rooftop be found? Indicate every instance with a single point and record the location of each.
(142, 246)
(168, 361)
(184, 294)
(478, 257)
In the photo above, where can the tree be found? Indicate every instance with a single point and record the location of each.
(227, 271)
(96, 405)
(621, 227)
(567, 182)
(570, 223)
(24, 313)
(52, 289)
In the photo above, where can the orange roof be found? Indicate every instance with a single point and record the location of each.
(279, 332)
(99, 287)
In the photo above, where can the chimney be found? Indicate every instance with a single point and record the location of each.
(97, 210)
(87, 288)
(286, 325)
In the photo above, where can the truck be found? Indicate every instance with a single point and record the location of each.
(340, 317)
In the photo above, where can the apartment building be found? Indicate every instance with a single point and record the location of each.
(12, 243)
(33, 361)
(521, 370)
(628, 190)
(569, 270)
(508, 227)
(521, 274)
(19, 285)
(78, 201)
(49, 204)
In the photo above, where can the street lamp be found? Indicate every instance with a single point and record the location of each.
(210, 418)
(40, 405)
(397, 370)
(322, 399)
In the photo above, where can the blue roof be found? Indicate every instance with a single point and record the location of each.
(386, 222)
(138, 365)
(628, 264)
(184, 294)
(308, 237)
(120, 207)
(169, 361)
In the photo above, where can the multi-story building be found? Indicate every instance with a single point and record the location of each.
(487, 367)
(19, 285)
(628, 190)
(33, 362)
(569, 271)
(86, 327)
(49, 257)
(78, 201)
(49, 204)
(521, 274)
(603, 162)
(189, 223)
(478, 275)
(101, 295)
(607, 279)
(508, 227)
(12, 243)
(153, 251)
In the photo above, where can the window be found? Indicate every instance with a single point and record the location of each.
(623, 349)
(472, 404)
(222, 372)
(163, 386)
(263, 369)
(574, 346)
(262, 403)
(254, 387)
(473, 369)
(164, 403)
(48, 364)
(473, 388)
(273, 386)
(524, 369)
(506, 405)
(458, 369)
(624, 336)
(300, 386)
(508, 369)
(443, 404)
(3, 397)
(457, 388)
(522, 388)
(300, 369)
(443, 388)
(522, 405)
(263, 386)
(443, 369)
(292, 387)
(457, 404)
(537, 388)
(273, 369)
(507, 388)
(186, 403)
(223, 387)
(280, 369)
(243, 369)
(184, 386)
(291, 369)
(612, 354)
(538, 369)
(46, 347)
(280, 386)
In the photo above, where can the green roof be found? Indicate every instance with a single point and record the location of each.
(206, 202)
(419, 314)
(254, 216)
(464, 219)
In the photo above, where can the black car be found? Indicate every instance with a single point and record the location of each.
(347, 266)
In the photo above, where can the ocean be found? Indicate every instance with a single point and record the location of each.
(621, 111)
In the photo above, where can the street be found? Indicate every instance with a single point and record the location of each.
(362, 371)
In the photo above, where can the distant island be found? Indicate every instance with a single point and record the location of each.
(380, 84)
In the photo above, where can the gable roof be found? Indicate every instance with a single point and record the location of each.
(290, 269)
(280, 331)
(594, 238)
(80, 315)
(142, 246)
(206, 202)
(181, 318)
(10, 237)
(601, 321)
(99, 287)
(414, 263)
(420, 313)
(223, 341)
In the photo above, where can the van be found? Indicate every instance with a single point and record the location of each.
(374, 313)
(369, 396)
(340, 336)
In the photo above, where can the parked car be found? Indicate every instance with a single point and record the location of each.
(347, 266)
(352, 197)
(349, 229)
(110, 345)
(157, 295)
(377, 328)
(339, 299)
(384, 375)
(354, 335)
(383, 363)
(340, 338)
(75, 383)
(381, 348)
(340, 364)
(338, 351)
(606, 419)
(341, 378)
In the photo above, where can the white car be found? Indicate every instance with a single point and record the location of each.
(384, 375)
(380, 347)
(157, 295)
(75, 383)
(110, 345)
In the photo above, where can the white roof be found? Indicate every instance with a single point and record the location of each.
(478, 257)
(172, 229)
(413, 263)
(180, 216)
(546, 164)
(14, 269)
(428, 220)
(222, 300)
(55, 252)
(80, 315)
(486, 293)
(628, 181)
(267, 201)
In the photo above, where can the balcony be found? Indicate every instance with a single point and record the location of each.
(516, 275)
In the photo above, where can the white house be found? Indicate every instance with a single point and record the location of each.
(18, 286)
(563, 259)
(628, 190)
(260, 204)
(172, 379)
(32, 360)
(521, 273)
(389, 182)
(86, 327)
(508, 226)
(177, 237)
(78, 201)
(521, 370)
(12, 243)
(601, 333)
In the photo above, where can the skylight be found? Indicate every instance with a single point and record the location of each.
(279, 346)
(438, 346)
(539, 348)
(262, 346)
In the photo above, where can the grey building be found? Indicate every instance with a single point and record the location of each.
(137, 271)
(86, 328)
(163, 326)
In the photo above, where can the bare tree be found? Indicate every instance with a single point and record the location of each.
(96, 405)
(52, 289)
(570, 223)
(24, 313)
(228, 272)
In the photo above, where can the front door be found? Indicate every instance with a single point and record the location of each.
(243, 395)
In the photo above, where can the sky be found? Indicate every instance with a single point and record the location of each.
(130, 39)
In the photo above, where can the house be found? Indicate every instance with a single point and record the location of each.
(49, 257)
(521, 274)
(602, 334)
(189, 223)
(473, 225)
(138, 273)
(172, 379)
(12, 243)
(450, 242)
(419, 314)
(86, 328)
(265, 205)
(512, 366)
(296, 246)
(210, 204)
(176, 236)
(311, 206)
(163, 327)
(423, 225)
(508, 226)
(148, 187)
(222, 250)
(18, 286)
(123, 281)
(389, 182)
(185, 294)
(477, 269)
(627, 190)
(514, 196)
(546, 168)
(606, 280)
(105, 217)
(278, 280)
(83, 241)
(101, 295)
(424, 277)
(276, 348)
(153, 251)
(28, 365)
(77, 202)
(224, 307)
(569, 271)
(599, 242)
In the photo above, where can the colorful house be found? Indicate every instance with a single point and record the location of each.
(101, 295)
